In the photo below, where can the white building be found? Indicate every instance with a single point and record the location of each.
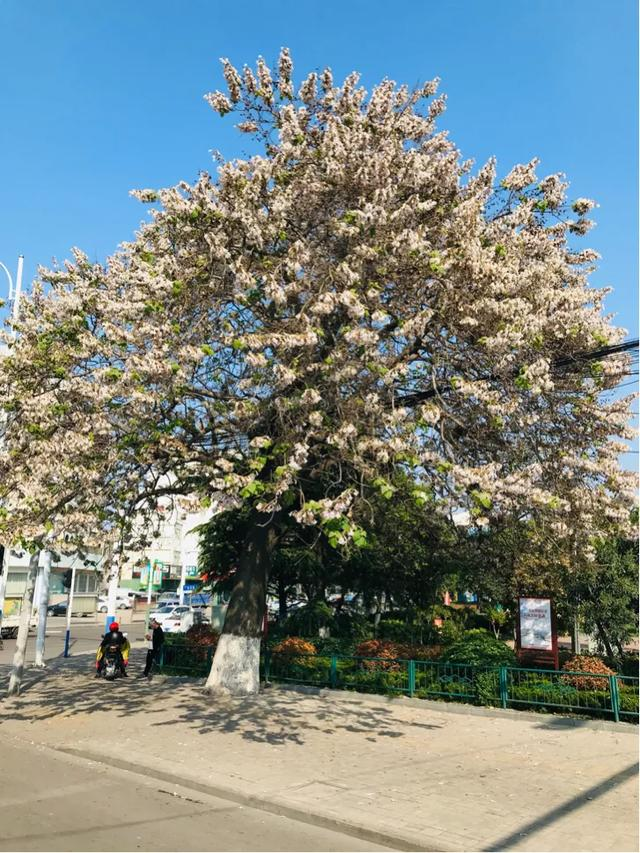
(88, 580)
(174, 547)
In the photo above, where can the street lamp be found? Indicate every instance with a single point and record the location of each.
(15, 291)
(14, 296)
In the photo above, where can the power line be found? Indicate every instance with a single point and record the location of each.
(556, 364)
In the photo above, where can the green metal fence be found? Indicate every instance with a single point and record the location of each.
(608, 696)
(177, 657)
(555, 691)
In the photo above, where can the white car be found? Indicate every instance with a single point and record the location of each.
(161, 610)
(179, 619)
(122, 603)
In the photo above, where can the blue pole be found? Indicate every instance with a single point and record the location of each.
(67, 639)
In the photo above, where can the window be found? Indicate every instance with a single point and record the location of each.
(55, 583)
(16, 582)
(86, 583)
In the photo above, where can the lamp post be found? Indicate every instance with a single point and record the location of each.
(67, 634)
(15, 290)
(14, 296)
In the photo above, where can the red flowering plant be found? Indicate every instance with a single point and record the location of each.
(586, 664)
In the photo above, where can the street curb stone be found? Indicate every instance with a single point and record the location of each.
(273, 806)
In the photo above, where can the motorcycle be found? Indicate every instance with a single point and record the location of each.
(113, 663)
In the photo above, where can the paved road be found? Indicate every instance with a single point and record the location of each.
(85, 636)
(50, 801)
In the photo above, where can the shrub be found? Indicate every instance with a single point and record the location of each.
(202, 635)
(396, 631)
(413, 652)
(451, 632)
(374, 681)
(481, 648)
(629, 666)
(385, 649)
(349, 624)
(307, 621)
(586, 663)
(292, 646)
(334, 646)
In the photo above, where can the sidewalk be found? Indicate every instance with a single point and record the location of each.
(407, 774)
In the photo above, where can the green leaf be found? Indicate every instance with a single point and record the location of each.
(252, 489)
(153, 306)
(483, 499)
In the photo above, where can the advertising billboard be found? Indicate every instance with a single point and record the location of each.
(536, 624)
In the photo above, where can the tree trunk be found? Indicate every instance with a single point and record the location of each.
(604, 638)
(282, 599)
(380, 605)
(3, 584)
(23, 631)
(236, 663)
(43, 604)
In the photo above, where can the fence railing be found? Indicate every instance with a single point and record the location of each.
(181, 658)
(606, 696)
(610, 696)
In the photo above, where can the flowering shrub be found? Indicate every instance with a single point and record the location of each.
(202, 635)
(417, 652)
(294, 646)
(586, 663)
(386, 649)
(389, 650)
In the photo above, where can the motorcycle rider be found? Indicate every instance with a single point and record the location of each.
(113, 637)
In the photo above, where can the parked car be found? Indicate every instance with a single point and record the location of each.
(122, 603)
(59, 609)
(179, 619)
(160, 612)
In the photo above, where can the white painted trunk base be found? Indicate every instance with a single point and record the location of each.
(236, 666)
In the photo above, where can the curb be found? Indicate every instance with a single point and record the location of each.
(254, 801)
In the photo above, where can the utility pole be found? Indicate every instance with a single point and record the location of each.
(114, 578)
(67, 635)
(15, 291)
(151, 570)
(43, 604)
(14, 297)
(23, 631)
(3, 586)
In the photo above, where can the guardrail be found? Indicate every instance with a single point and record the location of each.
(555, 691)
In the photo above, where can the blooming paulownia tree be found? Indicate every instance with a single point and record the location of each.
(350, 301)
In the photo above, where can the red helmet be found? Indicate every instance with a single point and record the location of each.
(114, 626)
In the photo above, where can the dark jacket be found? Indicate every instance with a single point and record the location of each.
(157, 638)
(113, 638)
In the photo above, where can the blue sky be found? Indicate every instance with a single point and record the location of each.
(97, 98)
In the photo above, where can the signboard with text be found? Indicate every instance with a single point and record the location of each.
(537, 638)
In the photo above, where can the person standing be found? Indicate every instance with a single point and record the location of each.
(154, 639)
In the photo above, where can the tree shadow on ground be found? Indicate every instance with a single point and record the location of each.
(68, 689)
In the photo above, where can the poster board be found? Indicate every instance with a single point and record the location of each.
(536, 631)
